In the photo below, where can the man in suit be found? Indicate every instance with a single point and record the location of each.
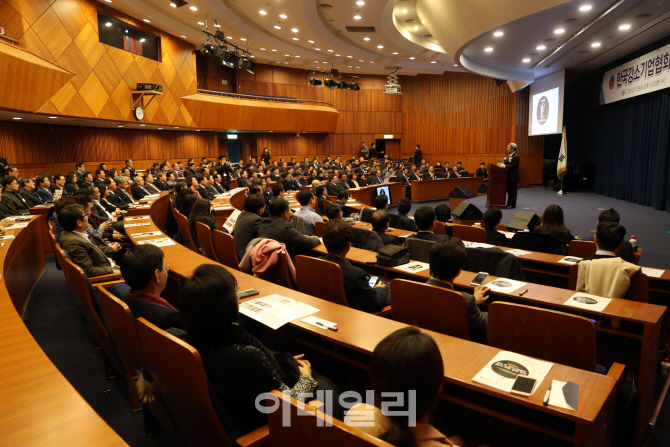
(298, 181)
(86, 180)
(100, 176)
(129, 165)
(161, 182)
(243, 180)
(418, 155)
(331, 186)
(280, 228)
(248, 222)
(404, 206)
(482, 171)
(80, 169)
(626, 250)
(492, 218)
(447, 258)
(4, 167)
(27, 192)
(149, 184)
(429, 175)
(413, 174)
(144, 269)
(218, 184)
(376, 179)
(403, 177)
(511, 162)
(274, 176)
(90, 254)
(138, 189)
(380, 223)
(211, 190)
(43, 188)
(454, 173)
(425, 222)
(202, 186)
(337, 237)
(120, 191)
(342, 184)
(342, 198)
(59, 183)
(320, 197)
(11, 198)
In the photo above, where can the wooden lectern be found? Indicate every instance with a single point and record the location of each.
(497, 188)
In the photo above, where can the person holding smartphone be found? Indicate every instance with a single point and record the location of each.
(447, 258)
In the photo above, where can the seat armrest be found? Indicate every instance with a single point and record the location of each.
(616, 371)
(257, 438)
(384, 312)
(105, 278)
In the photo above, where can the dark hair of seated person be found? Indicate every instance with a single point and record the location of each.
(187, 203)
(342, 195)
(610, 215)
(442, 213)
(69, 215)
(319, 190)
(102, 189)
(304, 197)
(336, 235)
(278, 207)
(8, 181)
(139, 264)
(492, 217)
(379, 220)
(404, 206)
(609, 236)
(277, 189)
(381, 201)
(447, 257)
(333, 212)
(179, 187)
(253, 203)
(254, 190)
(407, 360)
(424, 217)
(184, 191)
(201, 208)
(24, 180)
(553, 223)
(64, 201)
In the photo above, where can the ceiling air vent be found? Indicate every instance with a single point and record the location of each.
(570, 20)
(361, 29)
(409, 21)
(427, 36)
(325, 6)
(642, 16)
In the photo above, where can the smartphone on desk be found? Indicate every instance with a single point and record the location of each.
(523, 385)
(247, 293)
(479, 279)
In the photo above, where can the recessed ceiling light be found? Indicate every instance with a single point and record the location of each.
(585, 8)
(53, 117)
(455, 65)
(184, 36)
(286, 55)
(330, 51)
(108, 24)
(243, 39)
(358, 67)
(108, 1)
(148, 21)
(262, 49)
(255, 56)
(361, 60)
(395, 52)
(263, 13)
(274, 49)
(371, 62)
(229, 38)
(357, 17)
(295, 30)
(296, 56)
(488, 49)
(541, 47)
(192, 8)
(433, 62)
(559, 31)
(366, 38)
(295, 38)
(337, 55)
(283, 16)
(119, 126)
(216, 25)
(160, 128)
(171, 4)
(142, 125)
(197, 130)
(17, 118)
(412, 58)
(176, 127)
(595, 44)
(526, 60)
(380, 46)
(286, 63)
(310, 41)
(360, 2)
(404, 11)
(201, 23)
(416, 28)
(142, 40)
(317, 49)
(498, 33)
(277, 27)
(624, 27)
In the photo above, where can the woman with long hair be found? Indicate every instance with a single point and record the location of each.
(71, 185)
(187, 203)
(202, 212)
(266, 156)
(553, 223)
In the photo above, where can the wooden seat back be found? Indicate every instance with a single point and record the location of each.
(279, 274)
(430, 307)
(320, 278)
(308, 427)
(542, 333)
(177, 369)
(440, 228)
(469, 233)
(581, 249)
(185, 230)
(204, 234)
(319, 228)
(224, 247)
(326, 204)
(60, 258)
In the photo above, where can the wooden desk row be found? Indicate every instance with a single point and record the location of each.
(360, 332)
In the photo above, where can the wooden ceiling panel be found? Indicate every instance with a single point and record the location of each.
(73, 61)
(185, 74)
(169, 106)
(89, 45)
(49, 108)
(20, 85)
(52, 33)
(107, 73)
(94, 93)
(71, 16)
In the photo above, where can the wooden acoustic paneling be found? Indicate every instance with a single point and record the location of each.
(65, 33)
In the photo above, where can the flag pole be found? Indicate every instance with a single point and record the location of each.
(561, 193)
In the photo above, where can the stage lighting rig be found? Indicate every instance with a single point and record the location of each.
(220, 49)
(314, 81)
(331, 83)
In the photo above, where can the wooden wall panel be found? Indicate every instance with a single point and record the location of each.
(64, 32)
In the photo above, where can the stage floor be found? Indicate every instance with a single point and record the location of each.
(581, 209)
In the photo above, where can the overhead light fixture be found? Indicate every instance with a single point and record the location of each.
(295, 38)
(262, 49)
(201, 23)
(108, 24)
(16, 118)
(337, 55)
(624, 27)
(404, 11)
(433, 62)
(498, 33)
(53, 117)
(349, 56)
(366, 38)
(360, 2)
(540, 47)
(314, 82)
(143, 40)
(229, 38)
(295, 30)
(595, 44)
(585, 8)
(412, 58)
(283, 16)
(160, 128)
(184, 36)
(108, 1)
(148, 21)
(177, 3)
(173, 5)
(274, 49)
(297, 56)
(310, 41)
(277, 27)
(455, 65)
(119, 126)
(243, 38)
(330, 51)
(395, 52)
(380, 46)
(286, 55)
(357, 17)
(286, 63)
(416, 28)
(361, 60)
(317, 49)
(329, 83)
(488, 49)
(526, 60)
(216, 25)
(192, 8)
(142, 125)
(559, 31)
(263, 13)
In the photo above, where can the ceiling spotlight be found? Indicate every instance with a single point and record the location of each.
(208, 49)
(274, 49)
(142, 40)
(357, 17)
(296, 56)
(148, 21)
(337, 55)
(184, 36)
(349, 56)
(16, 118)
(216, 25)
(53, 117)
(310, 41)
(416, 28)
(624, 27)
(329, 83)
(295, 38)
(248, 66)
(366, 38)
(330, 51)
(277, 27)
(201, 23)
(314, 82)
(192, 8)
(286, 63)
(360, 2)
(455, 65)
(286, 55)
(229, 38)
(361, 60)
(119, 126)
(488, 49)
(263, 13)
(317, 49)
(380, 46)
(295, 30)
(498, 33)
(173, 5)
(526, 60)
(160, 128)
(142, 125)
(395, 52)
(283, 16)
(412, 58)
(585, 8)
(541, 47)
(559, 31)
(433, 62)
(595, 44)
(262, 49)
(404, 11)
(108, 24)
(244, 39)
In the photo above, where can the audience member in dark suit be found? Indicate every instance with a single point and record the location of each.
(418, 154)
(218, 184)
(145, 271)
(80, 169)
(11, 198)
(404, 206)
(59, 183)
(243, 180)
(71, 185)
(4, 167)
(202, 186)
(248, 222)
(138, 189)
(626, 250)
(424, 218)
(331, 186)
(376, 179)
(453, 173)
(337, 237)
(511, 162)
(86, 181)
(492, 218)
(129, 165)
(342, 198)
(44, 188)
(161, 182)
(482, 171)
(120, 191)
(149, 184)
(280, 228)
(112, 198)
(447, 258)
(320, 196)
(90, 254)
(27, 192)
(380, 223)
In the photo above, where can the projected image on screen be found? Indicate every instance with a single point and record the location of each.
(384, 190)
(545, 112)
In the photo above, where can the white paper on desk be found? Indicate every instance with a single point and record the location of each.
(6, 237)
(229, 224)
(413, 267)
(313, 321)
(141, 224)
(275, 310)
(508, 234)
(502, 370)
(504, 285)
(137, 207)
(16, 225)
(570, 260)
(560, 395)
(151, 196)
(162, 242)
(589, 302)
(477, 245)
(654, 273)
(128, 219)
(148, 233)
(516, 252)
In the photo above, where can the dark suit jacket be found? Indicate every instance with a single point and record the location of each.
(402, 179)
(357, 289)
(202, 190)
(90, 256)
(410, 225)
(3, 163)
(418, 155)
(387, 239)
(426, 236)
(451, 174)
(242, 182)
(246, 229)
(332, 189)
(284, 232)
(153, 189)
(481, 172)
(122, 195)
(161, 186)
(495, 237)
(477, 320)
(218, 187)
(374, 180)
(53, 188)
(342, 186)
(513, 166)
(45, 194)
(31, 197)
(138, 193)
(71, 188)
(15, 203)
(626, 252)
